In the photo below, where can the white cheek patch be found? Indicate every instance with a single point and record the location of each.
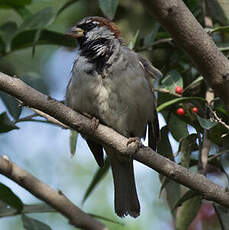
(95, 22)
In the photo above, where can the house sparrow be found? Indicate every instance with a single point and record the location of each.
(111, 83)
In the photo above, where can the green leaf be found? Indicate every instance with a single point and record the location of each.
(101, 172)
(33, 224)
(177, 127)
(171, 81)
(9, 197)
(149, 38)
(35, 40)
(36, 81)
(23, 11)
(177, 100)
(172, 189)
(26, 39)
(223, 215)
(187, 145)
(218, 10)
(164, 146)
(6, 124)
(108, 7)
(7, 32)
(219, 29)
(14, 3)
(73, 141)
(106, 219)
(38, 20)
(188, 195)
(192, 84)
(65, 6)
(205, 123)
(11, 104)
(187, 212)
(133, 41)
(34, 208)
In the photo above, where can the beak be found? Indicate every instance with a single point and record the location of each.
(75, 32)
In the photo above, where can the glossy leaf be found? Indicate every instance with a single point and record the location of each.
(108, 7)
(172, 190)
(73, 141)
(219, 29)
(38, 20)
(10, 198)
(65, 6)
(101, 172)
(132, 43)
(7, 32)
(187, 212)
(171, 81)
(164, 146)
(223, 216)
(171, 187)
(149, 38)
(177, 127)
(30, 223)
(6, 124)
(187, 145)
(188, 195)
(192, 84)
(206, 123)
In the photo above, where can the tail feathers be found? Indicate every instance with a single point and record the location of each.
(126, 199)
(154, 132)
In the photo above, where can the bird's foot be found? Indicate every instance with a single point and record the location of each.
(94, 121)
(136, 141)
(94, 124)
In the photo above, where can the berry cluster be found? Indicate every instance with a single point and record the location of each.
(180, 111)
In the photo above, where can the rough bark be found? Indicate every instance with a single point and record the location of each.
(189, 35)
(109, 137)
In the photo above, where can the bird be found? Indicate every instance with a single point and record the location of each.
(111, 83)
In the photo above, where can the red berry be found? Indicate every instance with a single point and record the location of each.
(180, 111)
(195, 110)
(179, 90)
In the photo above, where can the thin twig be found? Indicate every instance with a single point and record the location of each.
(206, 144)
(107, 136)
(158, 42)
(217, 118)
(26, 118)
(50, 118)
(57, 200)
(166, 91)
(217, 155)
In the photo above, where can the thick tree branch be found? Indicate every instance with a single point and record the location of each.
(191, 37)
(57, 200)
(108, 136)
